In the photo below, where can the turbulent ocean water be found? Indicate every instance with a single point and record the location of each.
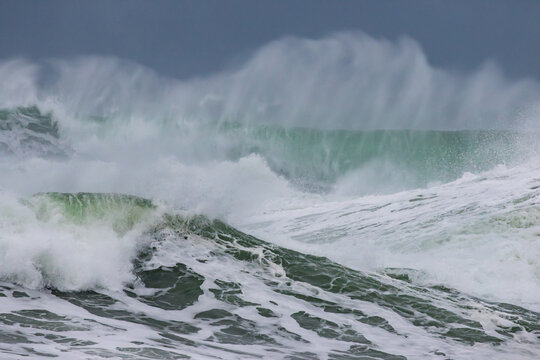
(329, 199)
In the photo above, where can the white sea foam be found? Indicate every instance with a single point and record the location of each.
(45, 248)
(478, 234)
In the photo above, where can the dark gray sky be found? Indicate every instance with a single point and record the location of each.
(191, 38)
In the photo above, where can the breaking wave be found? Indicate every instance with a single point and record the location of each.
(393, 207)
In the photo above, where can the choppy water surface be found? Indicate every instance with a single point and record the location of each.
(233, 218)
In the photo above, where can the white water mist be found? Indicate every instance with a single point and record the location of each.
(347, 81)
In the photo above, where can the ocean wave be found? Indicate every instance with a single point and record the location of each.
(392, 207)
(230, 289)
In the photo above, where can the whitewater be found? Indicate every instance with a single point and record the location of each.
(333, 198)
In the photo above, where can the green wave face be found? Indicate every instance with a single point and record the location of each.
(121, 211)
(322, 157)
